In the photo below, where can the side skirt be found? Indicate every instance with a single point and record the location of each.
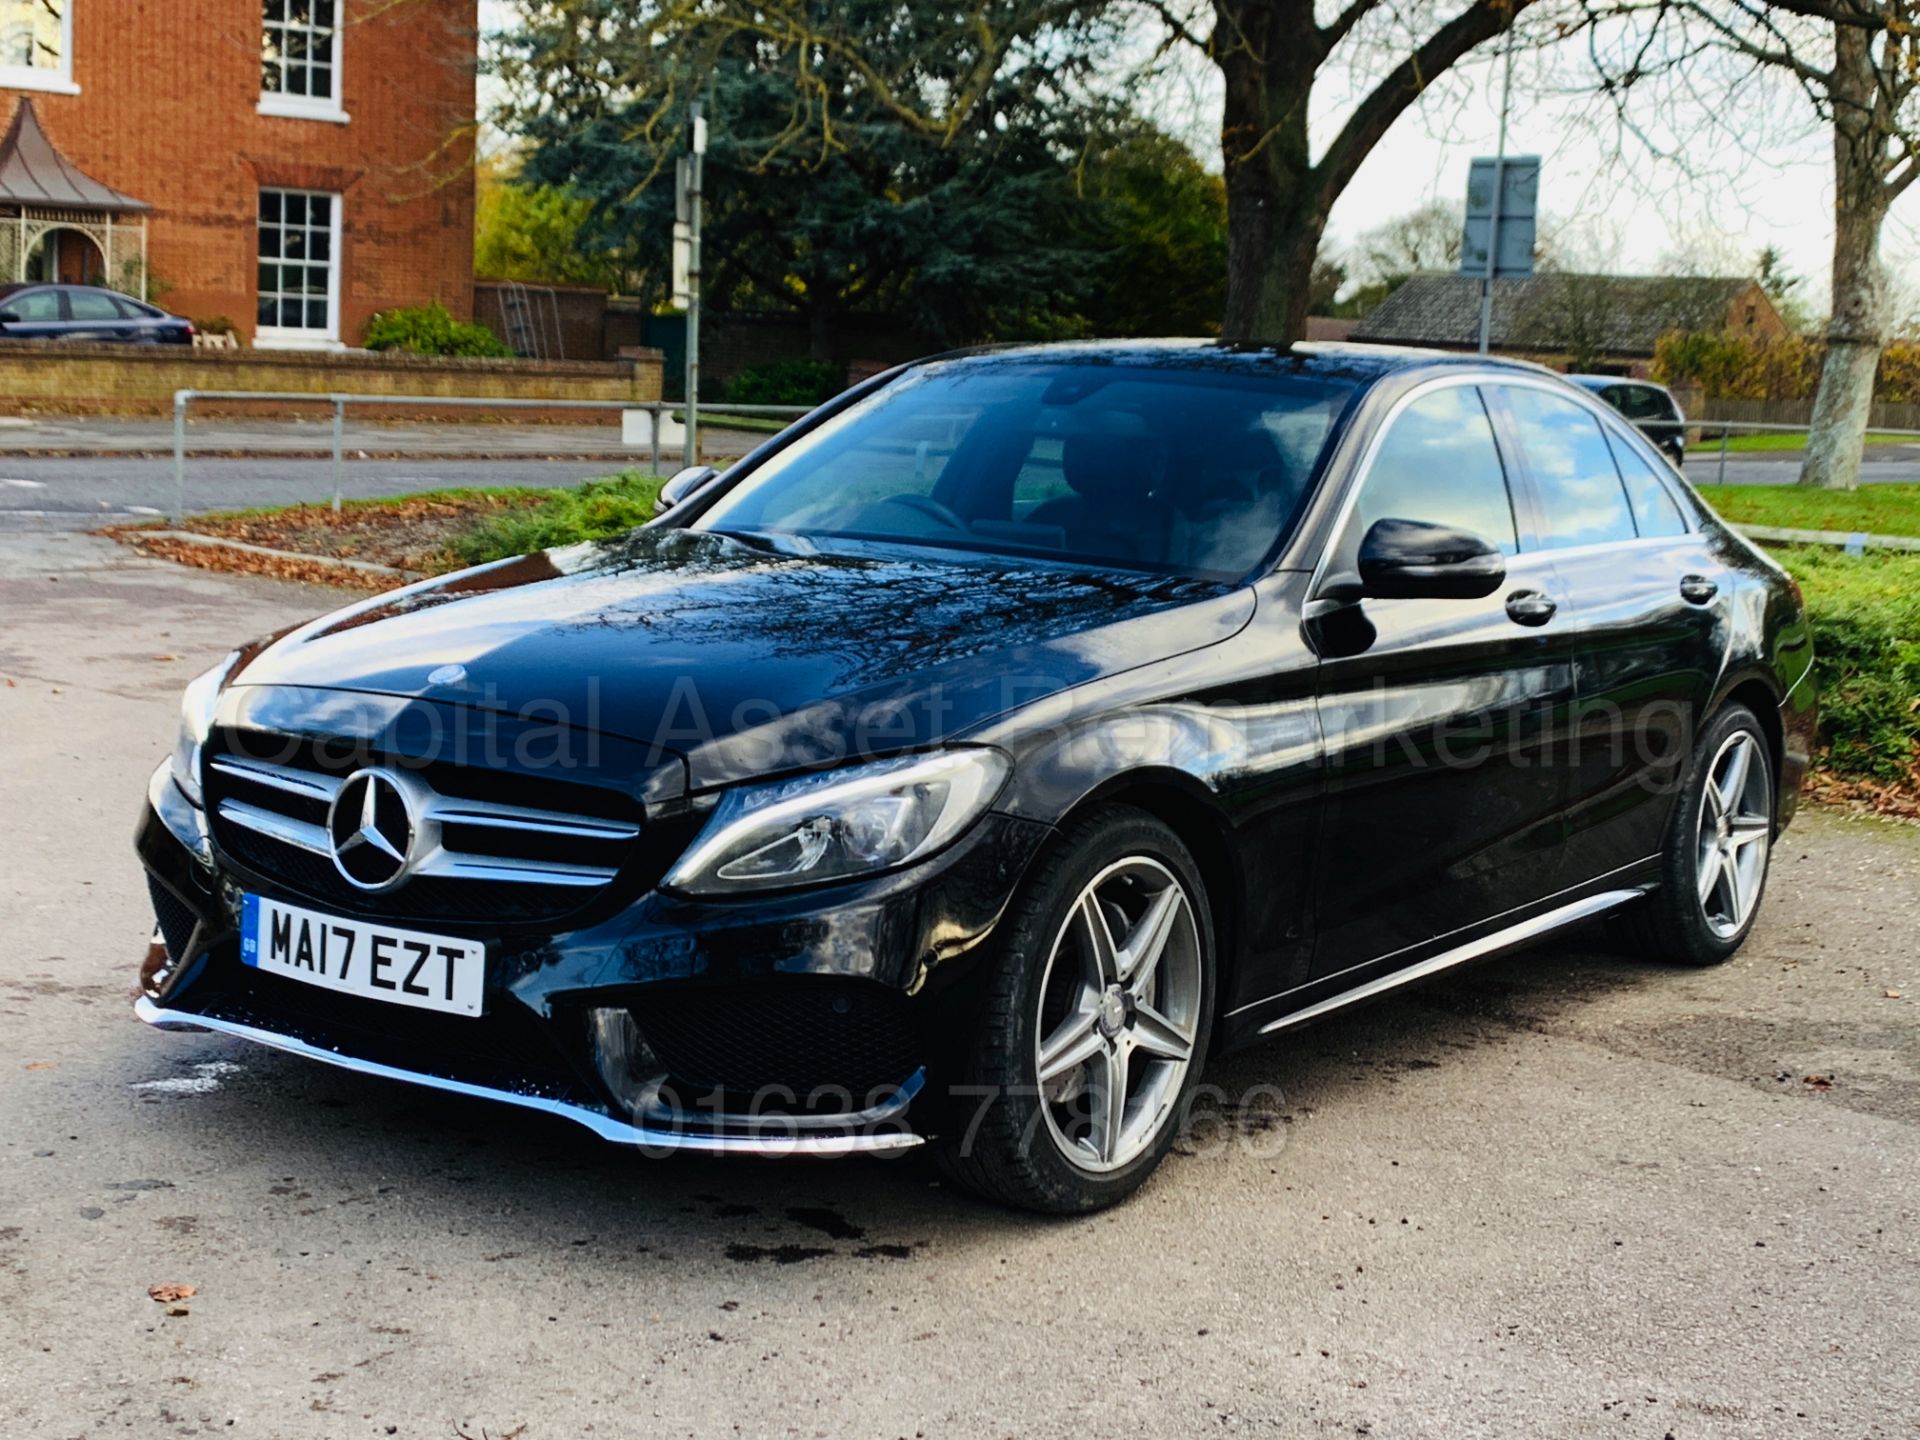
(1507, 939)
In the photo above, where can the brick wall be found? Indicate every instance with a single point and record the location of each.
(567, 322)
(167, 112)
(128, 380)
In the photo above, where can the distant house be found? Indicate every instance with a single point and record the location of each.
(290, 165)
(1605, 324)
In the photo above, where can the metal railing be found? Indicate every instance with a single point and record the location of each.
(659, 410)
(1726, 428)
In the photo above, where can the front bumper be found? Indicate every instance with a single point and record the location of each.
(757, 984)
(768, 1140)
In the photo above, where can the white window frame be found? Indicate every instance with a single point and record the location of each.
(308, 107)
(284, 337)
(55, 82)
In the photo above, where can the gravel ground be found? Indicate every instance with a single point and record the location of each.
(1560, 1194)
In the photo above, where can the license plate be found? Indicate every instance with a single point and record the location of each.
(352, 957)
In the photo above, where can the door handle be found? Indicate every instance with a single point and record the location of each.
(1698, 589)
(1530, 607)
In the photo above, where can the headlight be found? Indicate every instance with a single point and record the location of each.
(839, 823)
(196, 720)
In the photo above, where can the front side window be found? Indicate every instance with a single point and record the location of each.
(1581, 499)
(299, 266)
(300, 55)
(36, 44)
(1190, 471)
(1439, 464)
(33, 305)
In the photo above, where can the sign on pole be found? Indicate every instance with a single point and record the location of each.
(682, 235)
(1501, 217)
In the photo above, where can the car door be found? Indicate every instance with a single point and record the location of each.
(94, 315)
(1442, 808)
(1648, 609)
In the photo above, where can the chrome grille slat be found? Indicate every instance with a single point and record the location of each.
(461, 866)
(284, 828)
(458, 838)
(517, 817)
(282, 777)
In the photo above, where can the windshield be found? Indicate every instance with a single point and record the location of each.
(1182, 470)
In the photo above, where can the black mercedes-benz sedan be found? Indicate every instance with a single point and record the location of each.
(969, 763)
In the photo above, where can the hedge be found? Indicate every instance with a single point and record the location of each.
(1866, 637)
(1733, 367)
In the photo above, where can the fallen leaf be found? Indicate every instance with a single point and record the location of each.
(42, 1065)
(166, 657)
(1893, 994)
(1817, 1082)
(178, 1310)
(169, 1294)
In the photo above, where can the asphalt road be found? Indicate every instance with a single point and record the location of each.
(1884, 465)
(39, 494)
(1561, 1194)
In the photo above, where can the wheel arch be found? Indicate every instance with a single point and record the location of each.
(1192, 812)
(1756, 690)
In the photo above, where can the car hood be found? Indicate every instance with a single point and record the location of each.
(752, 656)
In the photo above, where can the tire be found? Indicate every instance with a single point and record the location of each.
(1677, 922)
(1056, 1146)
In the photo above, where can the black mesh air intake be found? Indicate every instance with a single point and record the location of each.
(175, 919)
(802, 1035)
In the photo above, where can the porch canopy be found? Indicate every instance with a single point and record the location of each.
(42, 191)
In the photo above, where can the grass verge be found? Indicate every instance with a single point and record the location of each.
(1876, 509)
(428, 533)
(1775, 442)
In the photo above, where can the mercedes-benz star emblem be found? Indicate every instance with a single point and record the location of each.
(372, 828)
(448, 675)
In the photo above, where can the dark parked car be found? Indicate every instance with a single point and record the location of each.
(86, 312)
(1649, 406)
(974, 760)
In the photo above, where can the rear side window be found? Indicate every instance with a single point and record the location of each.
(1654, 508)
(1439, 463)
(1582, 501)
(1655, 404)
(92, 305)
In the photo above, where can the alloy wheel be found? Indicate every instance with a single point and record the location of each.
(1735, 831)
(1120, 1003)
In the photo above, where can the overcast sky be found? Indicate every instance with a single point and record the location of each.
(1774, 188)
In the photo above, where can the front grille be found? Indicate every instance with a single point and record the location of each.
(808, 1035)
(176, 921)
(541, 848)
(505, 1050)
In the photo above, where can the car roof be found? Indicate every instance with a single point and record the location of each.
(1348, 361)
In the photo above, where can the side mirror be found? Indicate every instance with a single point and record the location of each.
(9, 317)
(1413, 560)
(680, 485)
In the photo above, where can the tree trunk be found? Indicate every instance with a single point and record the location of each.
(1275, 216)
(1278, 196)
(823, 330)
(1837, 435)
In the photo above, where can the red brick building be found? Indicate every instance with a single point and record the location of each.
(302, 163)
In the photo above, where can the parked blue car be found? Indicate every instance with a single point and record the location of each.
(86, 313)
